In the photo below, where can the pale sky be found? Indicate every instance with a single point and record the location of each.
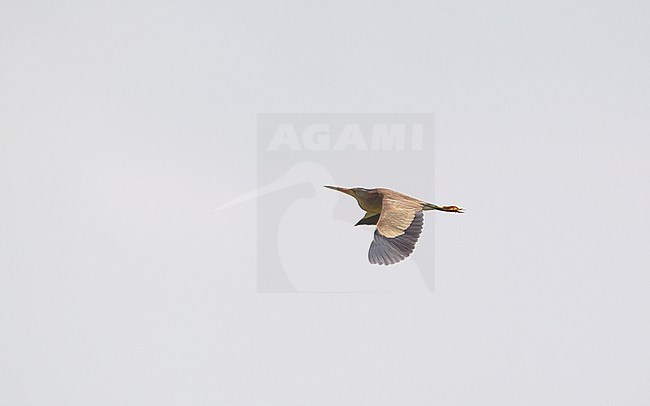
(123, 125)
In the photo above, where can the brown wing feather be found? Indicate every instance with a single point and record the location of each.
(388, 251)
(398, 230)
(396, 215)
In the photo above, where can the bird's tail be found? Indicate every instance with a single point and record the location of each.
(453, 209)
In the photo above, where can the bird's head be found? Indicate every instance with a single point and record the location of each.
(359, 193)
(354, 192)
(341, 189)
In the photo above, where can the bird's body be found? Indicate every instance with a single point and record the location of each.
(399, 219)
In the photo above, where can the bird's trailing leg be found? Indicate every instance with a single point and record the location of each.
(451, 209)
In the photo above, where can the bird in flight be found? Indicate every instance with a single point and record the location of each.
(399, 219)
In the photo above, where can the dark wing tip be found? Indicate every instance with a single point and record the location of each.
(389, 251)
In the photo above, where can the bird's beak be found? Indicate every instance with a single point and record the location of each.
(340, 189)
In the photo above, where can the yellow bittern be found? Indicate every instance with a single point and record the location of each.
(399, 220)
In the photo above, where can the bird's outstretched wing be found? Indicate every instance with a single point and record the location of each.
(398, 229)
